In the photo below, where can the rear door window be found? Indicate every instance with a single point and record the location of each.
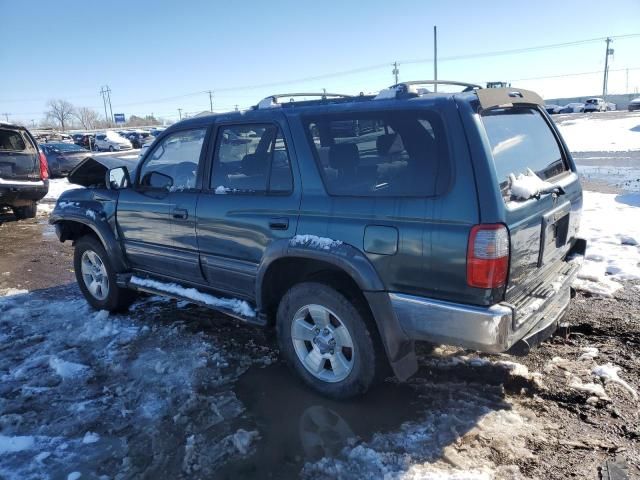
(251, 159)
(521, 139)
(391, 153)
(12, 141)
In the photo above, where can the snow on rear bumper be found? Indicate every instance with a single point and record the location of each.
(491, 329)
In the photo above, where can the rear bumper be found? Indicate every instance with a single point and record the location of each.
(22, 193)
(491, 329)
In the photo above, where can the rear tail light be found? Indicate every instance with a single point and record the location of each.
(488, 256)
(44, 169)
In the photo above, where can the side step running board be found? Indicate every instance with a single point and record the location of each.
(157, 288)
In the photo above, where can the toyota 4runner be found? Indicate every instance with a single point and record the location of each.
(450, 218)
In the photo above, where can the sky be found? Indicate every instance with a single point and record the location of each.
(160, 56)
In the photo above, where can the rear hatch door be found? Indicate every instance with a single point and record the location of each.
(542, 228)
(19, 160)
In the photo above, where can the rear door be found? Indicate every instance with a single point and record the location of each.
(251, 201)
(542, 228)
(18, 156)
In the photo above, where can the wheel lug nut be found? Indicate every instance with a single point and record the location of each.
(316, 330)
(326, 331)
(331, 351)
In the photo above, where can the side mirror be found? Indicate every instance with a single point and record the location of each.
(157, 180)
(118, 178)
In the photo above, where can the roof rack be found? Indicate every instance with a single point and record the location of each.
(407, 89)
(470, 86)
(272, 100)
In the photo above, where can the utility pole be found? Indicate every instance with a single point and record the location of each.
(210, 101)
(6, 116)
(435, 58)
(395, 71)
(108, 90)
(180, 113)
(606, 70)
(626, 88)
(236, 107)
(104, 104)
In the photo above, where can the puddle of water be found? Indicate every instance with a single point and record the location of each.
(298, 426)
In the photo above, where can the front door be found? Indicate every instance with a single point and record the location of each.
(157, 216)
(252, 199)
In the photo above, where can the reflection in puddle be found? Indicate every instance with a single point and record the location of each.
(298, 426)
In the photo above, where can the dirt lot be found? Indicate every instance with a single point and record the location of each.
(171, 390)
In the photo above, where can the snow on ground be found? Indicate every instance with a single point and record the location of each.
(611, 225)
(56, 187)
(600, 132)
(88, 392)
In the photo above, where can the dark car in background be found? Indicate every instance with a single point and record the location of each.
(63, 157)
(634, 104)
(24, 176)
(137, 139)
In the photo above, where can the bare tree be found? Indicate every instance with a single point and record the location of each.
(87, 117)
(60, 111)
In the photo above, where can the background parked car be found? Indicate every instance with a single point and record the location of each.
(137, 139)
(634, 104)
(24, 177)
(552, 109)
(595, 105)
(572, 108)
(112, 142)
(63, 157)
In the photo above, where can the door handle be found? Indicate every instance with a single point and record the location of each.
(180, 213)
(280, 223)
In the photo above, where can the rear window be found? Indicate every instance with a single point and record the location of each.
(380, 154)
(11, 140)
(521, 139)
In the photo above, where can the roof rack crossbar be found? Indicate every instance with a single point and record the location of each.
(439, 82)
(272, 100)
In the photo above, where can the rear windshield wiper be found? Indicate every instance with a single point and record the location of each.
(555, 189)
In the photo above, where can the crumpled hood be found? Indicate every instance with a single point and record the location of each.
(92, 170)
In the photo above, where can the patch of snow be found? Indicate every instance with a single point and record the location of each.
(528, 185)
(65, 204)
(91, 214)
(609, 373)
(610, 256)
(42, 456)
(90, 437)
(67, 369)
(314, 241)
(602, 133)
(9, 292)
(240, 307)
(386, 94)
(221, 190)
(594, 389)
(243, 440)
(56, 187)
(74, 476)
(589, 353)
(15, 444)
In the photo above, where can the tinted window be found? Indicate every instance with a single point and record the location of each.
(177, 158)
(381, 154)
(251, 159)
(520, 139)
(12, 140)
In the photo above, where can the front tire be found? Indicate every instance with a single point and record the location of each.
(327, 340)
(111, 149)
(96, 277)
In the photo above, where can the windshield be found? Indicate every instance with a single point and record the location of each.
(68, 147)
(521, 139)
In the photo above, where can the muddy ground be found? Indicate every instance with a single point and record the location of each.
(266, 424)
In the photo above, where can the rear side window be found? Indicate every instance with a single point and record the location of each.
(11, 140)
(521, 139)
(251, 159)
(380, 154)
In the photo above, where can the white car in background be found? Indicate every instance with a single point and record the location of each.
(595, 105)
(112, 142)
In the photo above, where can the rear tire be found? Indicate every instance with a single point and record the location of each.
(111, 149)
(327, 340)
(28, 211)
(96, 277)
